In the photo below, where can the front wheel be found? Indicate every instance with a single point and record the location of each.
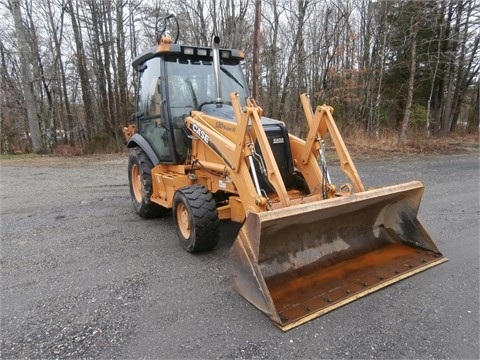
(196, 218)
(141, 188)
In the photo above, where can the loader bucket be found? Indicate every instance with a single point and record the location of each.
(299, 262)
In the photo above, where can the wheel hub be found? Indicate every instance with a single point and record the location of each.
(137, 183)
(183, 219)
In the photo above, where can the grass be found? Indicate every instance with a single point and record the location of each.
(362, 143)
(17, 156)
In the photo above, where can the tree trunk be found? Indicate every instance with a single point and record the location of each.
(474, 120)
(411, 80)
(375, 118)
(96, 41)
(468, 67)
(57, 32)
(30, 103)
(293, 62)
(453, 59)
(272, 63)
(256, 50)
(121, 67)
(434, 126)
(83, 74)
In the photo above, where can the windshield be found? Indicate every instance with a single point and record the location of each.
(191, 84)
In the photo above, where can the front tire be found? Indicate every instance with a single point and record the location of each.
(141, 188)
(196, 218)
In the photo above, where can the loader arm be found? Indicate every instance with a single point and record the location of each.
(235, 149)
(319, 123)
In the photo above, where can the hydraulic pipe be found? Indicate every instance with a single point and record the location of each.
(254, 175)
(216, 69)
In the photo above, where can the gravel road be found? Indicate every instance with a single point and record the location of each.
(82, 276)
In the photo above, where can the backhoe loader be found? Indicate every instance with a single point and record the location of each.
(200, 148)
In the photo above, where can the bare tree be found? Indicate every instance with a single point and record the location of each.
(460, 62)
(27, 82)
(289, 107)
(271, 63)
(256, 50)
(82, 72)
(356, 55)
(411, 80)
(56, 29)
(120, 82)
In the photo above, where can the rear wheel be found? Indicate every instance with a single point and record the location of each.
(196, 218)
(140, 181)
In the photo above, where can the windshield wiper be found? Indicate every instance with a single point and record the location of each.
(199, 107)
(230, 75)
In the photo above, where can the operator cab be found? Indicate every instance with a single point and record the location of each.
(173, 80)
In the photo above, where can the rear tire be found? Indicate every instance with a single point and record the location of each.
(141, 188)
(196, 218)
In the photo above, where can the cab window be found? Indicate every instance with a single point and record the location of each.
(149, 114)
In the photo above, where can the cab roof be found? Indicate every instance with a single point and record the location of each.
(188, 51)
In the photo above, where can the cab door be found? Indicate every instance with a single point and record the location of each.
(152, 121)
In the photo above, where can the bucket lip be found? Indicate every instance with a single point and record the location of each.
(380, 193)
(291, 325)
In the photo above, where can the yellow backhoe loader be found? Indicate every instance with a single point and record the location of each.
(307, 246)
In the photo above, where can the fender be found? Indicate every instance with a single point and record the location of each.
(139, 140)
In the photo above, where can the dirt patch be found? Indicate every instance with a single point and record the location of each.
(62, 161)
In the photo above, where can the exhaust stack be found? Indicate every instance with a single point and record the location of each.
(216, 69)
